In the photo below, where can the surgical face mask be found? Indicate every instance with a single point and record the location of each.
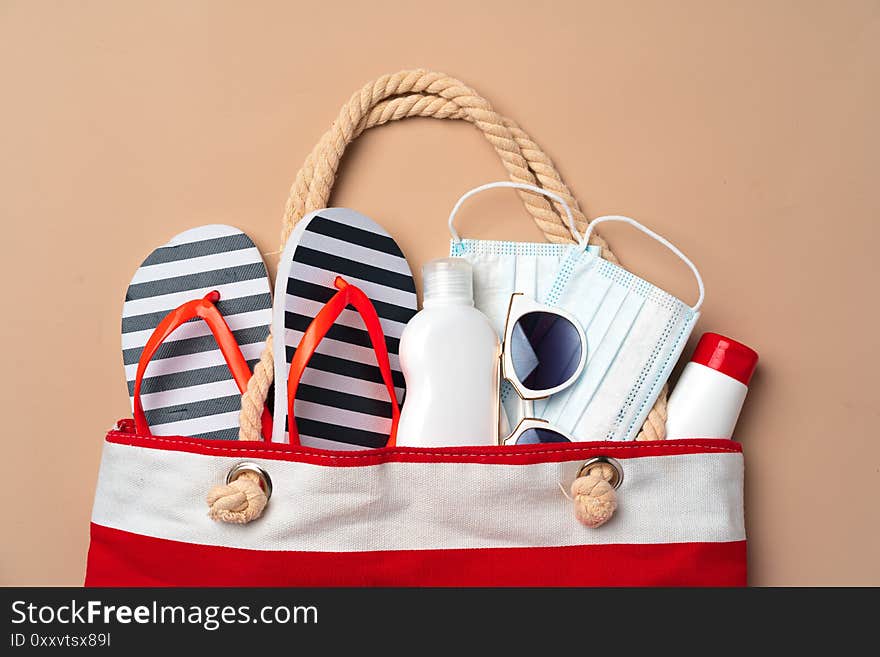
(502, 268)
(635, 334)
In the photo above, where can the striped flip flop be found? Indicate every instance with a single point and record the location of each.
(341, 401)
(188, 388)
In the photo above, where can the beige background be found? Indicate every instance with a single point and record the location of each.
(745, 132)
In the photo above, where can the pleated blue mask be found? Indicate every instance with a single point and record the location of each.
(635, 334)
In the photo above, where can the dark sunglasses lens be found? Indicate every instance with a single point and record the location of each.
(538, 436)
(545, 349)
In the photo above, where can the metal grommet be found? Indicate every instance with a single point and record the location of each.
(616, 480)
(265, 480)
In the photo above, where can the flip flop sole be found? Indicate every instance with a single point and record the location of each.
(188, 389)
(341, 401)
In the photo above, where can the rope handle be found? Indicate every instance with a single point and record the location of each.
(569, 217)
(405, 94)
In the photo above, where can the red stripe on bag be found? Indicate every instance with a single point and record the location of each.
(505, 455)
(118, 558)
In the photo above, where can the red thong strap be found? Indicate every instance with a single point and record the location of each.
(324, 320)
(205, 309)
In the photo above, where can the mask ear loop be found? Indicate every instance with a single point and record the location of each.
(514, 185)
(665, 242)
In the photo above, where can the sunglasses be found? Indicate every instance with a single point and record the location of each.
(544, 352)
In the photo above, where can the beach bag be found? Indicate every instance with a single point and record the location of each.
(464, 516)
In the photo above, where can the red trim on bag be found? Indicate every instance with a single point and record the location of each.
(118, 558)
(505, 455)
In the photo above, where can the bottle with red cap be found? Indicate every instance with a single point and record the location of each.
(711, 390)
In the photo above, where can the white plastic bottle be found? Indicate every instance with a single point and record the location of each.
(449, 355)
(709, 394)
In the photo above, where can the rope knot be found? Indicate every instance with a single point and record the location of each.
(238, 502)
(594, 497)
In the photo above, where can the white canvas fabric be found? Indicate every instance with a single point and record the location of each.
(345, 507)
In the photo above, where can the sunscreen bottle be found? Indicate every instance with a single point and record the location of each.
(711, 390)
(450, 358)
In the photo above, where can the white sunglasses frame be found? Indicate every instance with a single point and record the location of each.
(521, 305)
(528, 423)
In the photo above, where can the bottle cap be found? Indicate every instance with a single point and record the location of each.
(448, 281)
(726, 356)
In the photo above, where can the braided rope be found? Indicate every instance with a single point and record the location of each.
(539, 164)
(415, 93)
(654, 427)
(312, 186)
